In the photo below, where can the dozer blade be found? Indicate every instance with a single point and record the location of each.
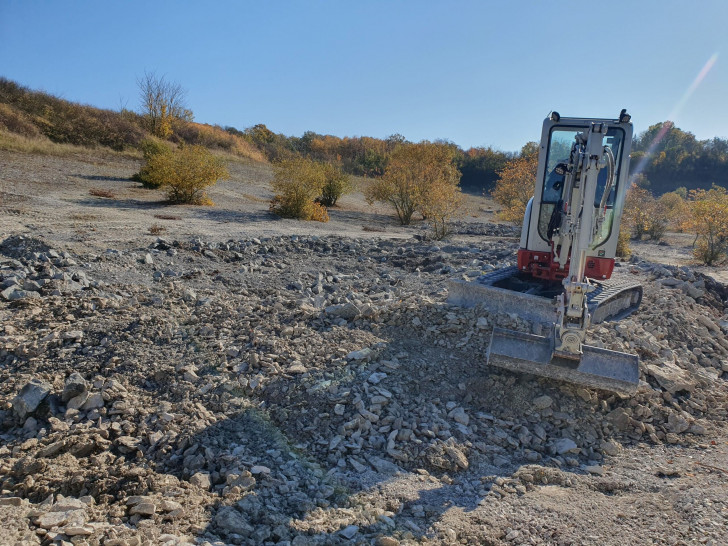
(598, 368)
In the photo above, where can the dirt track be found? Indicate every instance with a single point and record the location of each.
(251, 380)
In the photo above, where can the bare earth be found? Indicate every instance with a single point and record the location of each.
(216, 375)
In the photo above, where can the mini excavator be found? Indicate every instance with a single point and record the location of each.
(562, 281)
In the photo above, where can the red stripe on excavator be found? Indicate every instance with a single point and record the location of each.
(541, 265)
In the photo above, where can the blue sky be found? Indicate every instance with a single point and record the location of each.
(478, 73)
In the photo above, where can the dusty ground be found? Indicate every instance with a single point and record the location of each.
(237, 378)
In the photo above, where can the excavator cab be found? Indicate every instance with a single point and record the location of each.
(558, 137)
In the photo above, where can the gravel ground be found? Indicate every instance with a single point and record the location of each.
(239, 379)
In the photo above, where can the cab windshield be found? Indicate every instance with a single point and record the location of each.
(559, 150)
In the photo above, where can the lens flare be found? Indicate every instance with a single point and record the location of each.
(673, 114)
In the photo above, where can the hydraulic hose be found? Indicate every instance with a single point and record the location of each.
(610, 178)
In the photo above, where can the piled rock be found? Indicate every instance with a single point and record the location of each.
(263, 379)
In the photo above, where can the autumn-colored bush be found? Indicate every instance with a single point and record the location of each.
(443, 202)
(151, 147)
(709, 220)
(623, 249)
(516, 184)
(419, 177)
(677, 210)
(185, 173)
(15, 121)
(644, 215)
(297, 183)
(336, 183)
(319, 213)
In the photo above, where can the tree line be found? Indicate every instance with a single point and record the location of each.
(666, 156)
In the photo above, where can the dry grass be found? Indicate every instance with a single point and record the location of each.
(227, 145)
(42, 146)
(40, 123)
(97, 192)
(16, 143)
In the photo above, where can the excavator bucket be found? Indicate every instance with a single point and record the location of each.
(597, 368)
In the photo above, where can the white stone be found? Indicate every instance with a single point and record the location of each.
(349, 531)
(565, 445)
(201, 479)
(542, 402)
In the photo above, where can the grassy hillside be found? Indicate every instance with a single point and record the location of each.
(666, 157)
(35, 121)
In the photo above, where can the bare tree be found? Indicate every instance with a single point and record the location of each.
(161, 102)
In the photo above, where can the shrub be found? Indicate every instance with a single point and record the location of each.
(319, 213)
(413, 179)
(297, 183)
(623, 248)
(643, 214)
(65, 122)
(658, 221)
(442, 203)
(185, 173)
(709, 219)
(16, 122)
(151, 147)
(214, 137)
(336, 184)
(676, 209)
(515, 186)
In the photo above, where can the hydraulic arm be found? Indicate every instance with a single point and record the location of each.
(575, 235)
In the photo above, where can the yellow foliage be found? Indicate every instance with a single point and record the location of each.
(677, 211)
(297, 183)
(515, 187)
(163, 127)
(442, 203)
(623, 249)
(150, 147)
(643, 214)
(214, 137)
(319, 213)
(420, 177)
(709, 220)
(336, 184)
(186, 172)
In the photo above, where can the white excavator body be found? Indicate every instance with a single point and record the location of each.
(566, 259)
